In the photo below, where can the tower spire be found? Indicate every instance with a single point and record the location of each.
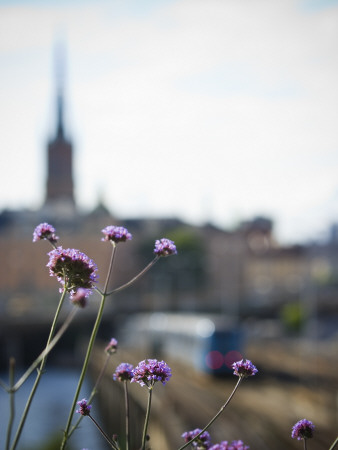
(60, 127)
(60, 188)
(59, 75)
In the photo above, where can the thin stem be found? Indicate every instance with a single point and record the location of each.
(4, 386)
(123, 286)
(92, 394)
(47, 350)
(126, 403)
(110, 268)
(110, 442)
(216, 416)
(94, 390)
(40, 371)
(146, 422)
(11, 401)
(334, 444)
(83, 372)
(305, 444)
(89, 351)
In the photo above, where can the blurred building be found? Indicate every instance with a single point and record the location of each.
(242, 271)
(59, 199)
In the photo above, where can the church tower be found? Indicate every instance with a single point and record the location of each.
(60, 187)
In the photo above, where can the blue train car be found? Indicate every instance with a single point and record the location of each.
(209, 343)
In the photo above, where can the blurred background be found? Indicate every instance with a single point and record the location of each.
(213, 124)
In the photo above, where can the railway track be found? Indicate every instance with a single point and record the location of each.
(261, 413)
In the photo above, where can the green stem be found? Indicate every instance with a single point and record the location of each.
(88, 354)
(11, 402)
(110, 442)
(215, 417)
(47, 350)
(110, 268)
(136, 277)
(40, 372)
(83, 372)
(92, 394)
(305, 444)
(126, 402)
(146, 422)
(4, 386)
(334, 444)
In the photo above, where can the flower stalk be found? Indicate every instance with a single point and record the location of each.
(126, 404)
(334, 444)
(136, 277)
(47, 350)
(39, 371)
(217, 415)
(110, 442)
(11, 401)
(89, 351)
(146, 421)
(83, 372)
(92, 394)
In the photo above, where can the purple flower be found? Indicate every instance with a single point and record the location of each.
(202, 442)
(165, 247)
(235, 445)
(45, 231)
(73, 268)
(149, 371)
(244, 368)
(79, 297)
(84, 409)
(238, 445)
(123, 372)
(111, 347)
(116, 234)
(303, 429)
(221, 446)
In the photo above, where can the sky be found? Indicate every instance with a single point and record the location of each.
(206, 110)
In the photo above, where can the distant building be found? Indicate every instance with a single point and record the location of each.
(60, 186)
(241, 271)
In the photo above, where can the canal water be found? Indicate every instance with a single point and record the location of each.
(49, 412)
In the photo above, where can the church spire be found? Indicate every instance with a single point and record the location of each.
(59, 75)
(60, 187)
(60, 127)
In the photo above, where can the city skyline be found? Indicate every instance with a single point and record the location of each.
(207, 112)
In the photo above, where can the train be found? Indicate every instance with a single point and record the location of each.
(208, 343)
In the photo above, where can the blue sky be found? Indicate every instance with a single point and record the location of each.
(206, 110)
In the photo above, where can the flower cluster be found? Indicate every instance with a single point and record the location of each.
(165, 247)
(116, 234)
(235, 445)
(303, 429)
(244, 368)
(84, 408)
(123, 372)
(79, 297)
(45, 231)
(202, 442)
(73, 268)
(147, 372)
(111, 347)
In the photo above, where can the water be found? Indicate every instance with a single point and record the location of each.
(49, 412)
